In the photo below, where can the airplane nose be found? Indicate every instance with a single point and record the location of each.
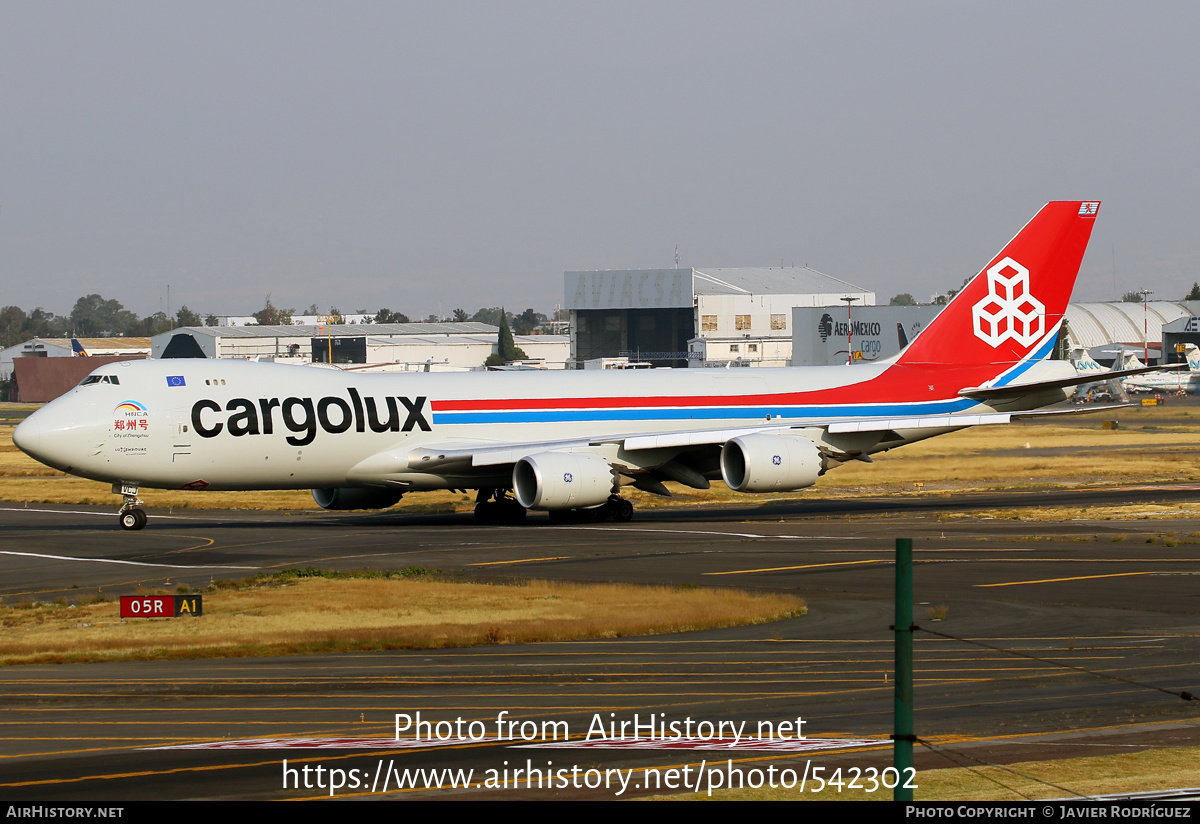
(28, 435)
(57, 435)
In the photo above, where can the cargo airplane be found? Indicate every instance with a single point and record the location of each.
(566, 442)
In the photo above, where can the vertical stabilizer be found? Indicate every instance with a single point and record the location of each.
(1012, 310)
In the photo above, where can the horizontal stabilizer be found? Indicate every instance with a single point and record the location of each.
(1013, 390)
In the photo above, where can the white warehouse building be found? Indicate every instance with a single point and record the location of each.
(696, 317)
(405, 347)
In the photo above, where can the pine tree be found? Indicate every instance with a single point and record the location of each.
(508, 349)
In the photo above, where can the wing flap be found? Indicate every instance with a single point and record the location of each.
(932, 422)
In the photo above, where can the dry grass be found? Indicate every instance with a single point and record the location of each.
(1157, 769)
(1128, 512)
(288, 615)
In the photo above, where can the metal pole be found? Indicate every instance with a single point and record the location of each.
(849, 331)
(903, 737)
(1146, 293)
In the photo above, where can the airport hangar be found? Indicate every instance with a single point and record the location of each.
(820, 334)
(695, 317)
(61, 348)
(399, 347)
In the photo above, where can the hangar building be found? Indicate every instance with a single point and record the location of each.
(434, 347)
(695, 317)
(820, 335)
(61, 348)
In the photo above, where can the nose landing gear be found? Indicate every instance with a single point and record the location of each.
(131, 516)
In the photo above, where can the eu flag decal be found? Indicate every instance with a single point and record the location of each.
(175, 380)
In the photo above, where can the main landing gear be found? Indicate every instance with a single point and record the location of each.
(494, 506)
(131, 516)
(615, 508)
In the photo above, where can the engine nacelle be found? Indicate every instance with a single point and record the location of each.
(770, 463)
(355, 497)
(562, 480)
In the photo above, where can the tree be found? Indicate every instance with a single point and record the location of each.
(903, 299)
(461, 316)
(93, 316)
(270, 316)
(490, 316)
(13, 322)
(335, 315)
(1131, 297)
(1195, 293)
(528, 321)
(186, 317)
(1062, 346)
(43, 324)
(508, 349)
(157, 323)
(388, 316)
(210, 319)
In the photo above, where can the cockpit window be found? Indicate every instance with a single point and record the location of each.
(91, 379)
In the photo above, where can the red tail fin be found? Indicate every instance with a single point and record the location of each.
(1012, 309)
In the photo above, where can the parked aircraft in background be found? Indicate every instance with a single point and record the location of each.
(1103, 387)
(1169, 381)
(568, 441)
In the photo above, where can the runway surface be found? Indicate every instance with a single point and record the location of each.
(1079, 631)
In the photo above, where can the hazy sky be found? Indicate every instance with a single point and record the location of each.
(426, 156)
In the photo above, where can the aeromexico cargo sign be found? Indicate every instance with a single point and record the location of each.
(303, 416)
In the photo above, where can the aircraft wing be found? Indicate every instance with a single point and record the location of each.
(485, 454)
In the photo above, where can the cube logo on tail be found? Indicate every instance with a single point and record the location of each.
(1009, 311)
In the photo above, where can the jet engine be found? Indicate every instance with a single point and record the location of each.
(771, 463)
(562, 480)
(355, 497)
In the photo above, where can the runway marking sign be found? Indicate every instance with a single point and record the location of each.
(161, 606)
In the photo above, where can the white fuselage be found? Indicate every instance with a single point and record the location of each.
(212, 424)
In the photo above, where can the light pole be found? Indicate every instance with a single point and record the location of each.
(849, 331)
(1146, 293)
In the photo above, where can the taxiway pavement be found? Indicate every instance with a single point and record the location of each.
(1060, 637)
